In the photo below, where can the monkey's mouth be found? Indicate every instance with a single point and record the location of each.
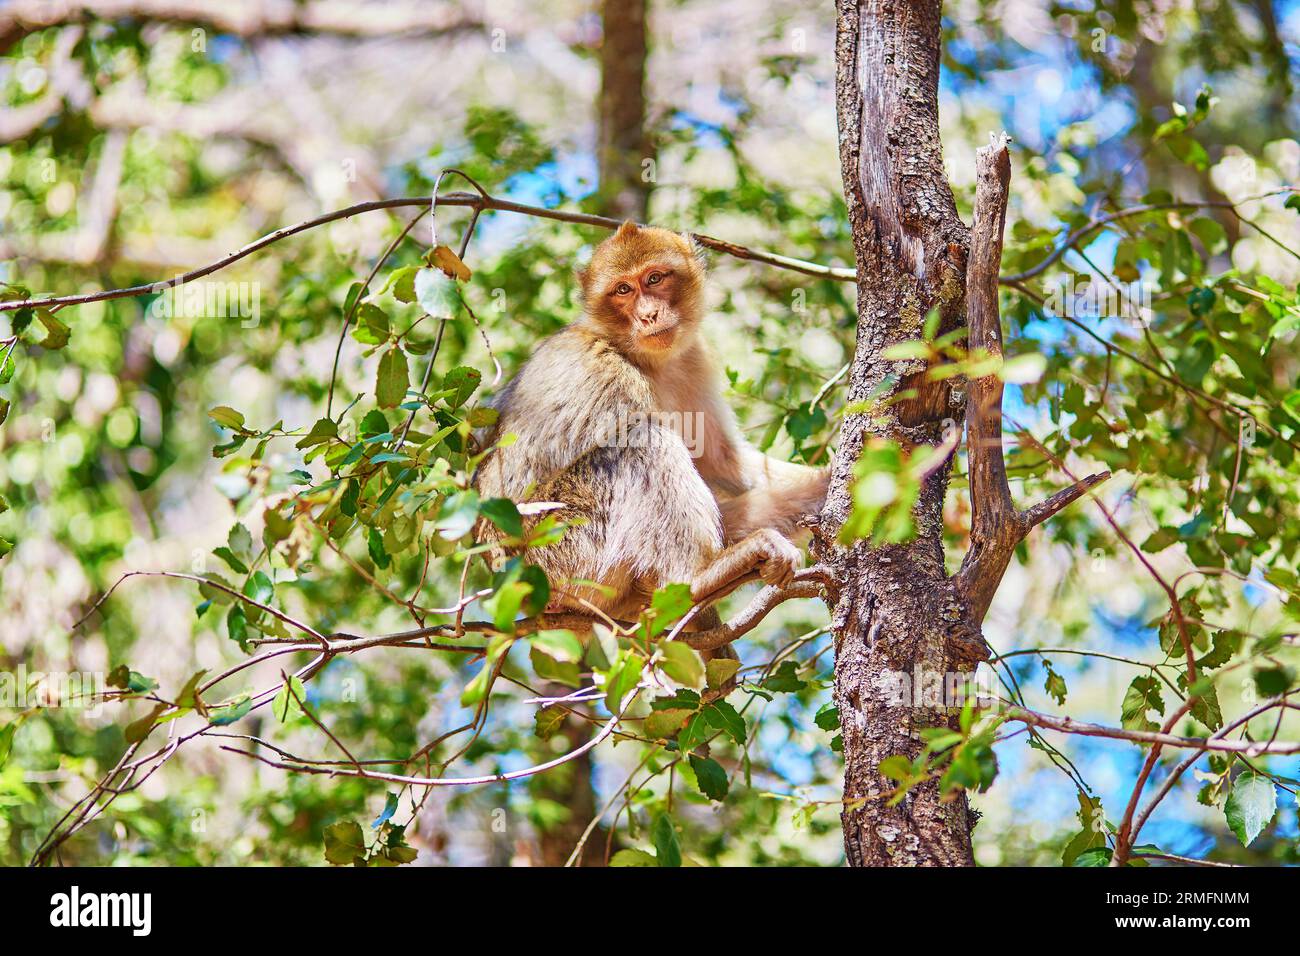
(660, 335)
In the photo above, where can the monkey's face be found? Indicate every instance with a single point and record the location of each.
(643, 288)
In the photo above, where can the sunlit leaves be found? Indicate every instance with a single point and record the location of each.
(667, 605)
(227, 417)
(682, 664)
(1142, 697)
(885, 487)
(436, 292)
(288, 702)
(1251, 806)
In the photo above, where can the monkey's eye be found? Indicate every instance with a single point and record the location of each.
(622, 289)
(655, 278)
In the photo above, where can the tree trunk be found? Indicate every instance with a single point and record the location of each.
(900, 624)
(623, 145)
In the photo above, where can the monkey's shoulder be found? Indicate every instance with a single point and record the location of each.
(573, 372)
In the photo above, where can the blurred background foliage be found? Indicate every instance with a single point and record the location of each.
(137, 147)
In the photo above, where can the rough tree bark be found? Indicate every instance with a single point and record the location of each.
(902, 626)
(895, 612)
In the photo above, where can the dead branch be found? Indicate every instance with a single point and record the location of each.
(996, 526)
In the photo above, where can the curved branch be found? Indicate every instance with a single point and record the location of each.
(479, 203)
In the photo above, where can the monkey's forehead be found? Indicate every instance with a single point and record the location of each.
(628, 253)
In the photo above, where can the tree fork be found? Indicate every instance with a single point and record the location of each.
(902, 627)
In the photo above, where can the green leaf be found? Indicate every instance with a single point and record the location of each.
(1251, 806)
(719, 671)
(393, 379)
(230, 711)
(138, 730)
(322, 431)
(1142, 695)
(345, 844)
(227, 417)
(286, 704)
(1160, 539)
(624, 676)
(668, 851)
(1054, 684)
(664, 724)
(559, 645)
(503, 513)
(1273, 681)
(1097, 856)
(548, 721)
(228, 556)
(390, 807)
(632, 858)
(667, 605)
(436, 293)
(720, 715)
(237, 626)
(259, 587)
(457, 515)
(828, 717)
(896, 767)
(711, 777)
(56, 333)
(785, 679)
(462, 381)
(683, 664)
(7, 740)
(1092, 833)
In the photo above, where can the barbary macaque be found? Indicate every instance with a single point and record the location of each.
(620, 417)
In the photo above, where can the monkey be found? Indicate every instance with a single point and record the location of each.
(620, 420)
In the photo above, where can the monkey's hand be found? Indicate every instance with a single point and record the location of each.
(779, 558)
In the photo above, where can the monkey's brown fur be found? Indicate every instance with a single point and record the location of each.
(650, 513)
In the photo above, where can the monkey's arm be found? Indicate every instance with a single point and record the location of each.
(779, 493)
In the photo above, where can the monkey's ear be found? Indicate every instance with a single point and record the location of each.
(629, 228)
(696, 250)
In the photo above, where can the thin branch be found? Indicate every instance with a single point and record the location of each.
(361, 771)
(1069, 725)
(478, 203)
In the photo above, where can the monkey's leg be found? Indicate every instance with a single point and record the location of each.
(766, 550)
